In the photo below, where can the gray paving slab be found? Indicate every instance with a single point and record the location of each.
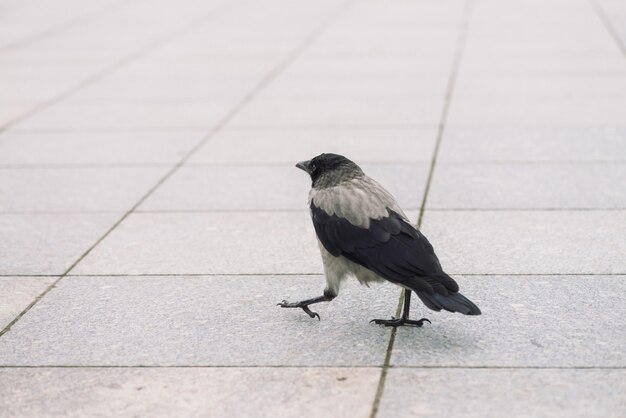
(246, 187)
(17, 293)
(201, 64)
(24, 88)
(206, 392)
(242, 242)
(527, 321)
(356, 86)
(331, 112)
(74, 116)
(273, 146)
(528, 242)
(512, 111)
(96, 148)
(615, 10)
(11, 111)
(28, 21)
(75, 189)
(48, 243)
(496, 393)
(208, 243)
(169, 87)
(399, 42)
(528, 186)
(532, 144)
(524, 88)
(209, 321)
(480, 60)
(322, 63)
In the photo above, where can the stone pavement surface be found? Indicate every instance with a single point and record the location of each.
(151, 216)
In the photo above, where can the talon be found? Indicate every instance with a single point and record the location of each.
(309, 312)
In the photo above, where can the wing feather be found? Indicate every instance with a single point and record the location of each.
(389, 246)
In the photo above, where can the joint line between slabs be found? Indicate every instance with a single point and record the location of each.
(458, 55)
(272, 75)
(608, 25)
(297, 366)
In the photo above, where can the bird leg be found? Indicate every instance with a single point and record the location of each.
(304, 304)
(404, 320)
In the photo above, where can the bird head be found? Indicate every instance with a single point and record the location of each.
(327, 170)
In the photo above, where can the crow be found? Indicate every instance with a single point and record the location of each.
(362, 232)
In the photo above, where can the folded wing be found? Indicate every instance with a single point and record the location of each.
(389, 246)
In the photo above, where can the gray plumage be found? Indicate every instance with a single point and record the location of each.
(363, 233)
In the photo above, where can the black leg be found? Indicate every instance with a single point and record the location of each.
(304, 304)
(404, 320)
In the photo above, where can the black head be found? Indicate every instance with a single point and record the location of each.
(330, 169)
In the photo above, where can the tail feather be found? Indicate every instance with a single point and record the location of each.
(452, 302)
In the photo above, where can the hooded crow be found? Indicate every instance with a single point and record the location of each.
(362, 232)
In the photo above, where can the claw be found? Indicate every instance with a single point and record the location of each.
(309, 312)
(305, 308)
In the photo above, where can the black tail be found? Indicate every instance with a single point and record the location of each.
(453, 302)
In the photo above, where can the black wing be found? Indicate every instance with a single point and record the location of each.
(390, 247)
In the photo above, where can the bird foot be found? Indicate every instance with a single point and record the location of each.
(303, 306)
(398, 322)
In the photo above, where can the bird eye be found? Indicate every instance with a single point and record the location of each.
(313, 167)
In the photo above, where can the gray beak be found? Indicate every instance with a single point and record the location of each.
(305, 165)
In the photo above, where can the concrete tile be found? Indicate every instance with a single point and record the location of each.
(524, 87)
(528, 242)
(345, 113)
(245, 146)
(75, 189)
(209, 243)
(538, 112)
(22, 62)
(201, 64)
(207, 392)
(17, 293)
(480, 60)
(271, 187)
(527, 321)
(413, 43)
(495, 393)
(48, 243)
(615, 10)
(328, 64)
(530, 144)
(96, 148)
(38, 88)
(528, 186)
(13, 110)
(165, 88)
(209, 321)
(355, 86)
(127, 115)
(29, 19)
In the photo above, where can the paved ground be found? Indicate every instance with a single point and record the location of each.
(151, 216)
